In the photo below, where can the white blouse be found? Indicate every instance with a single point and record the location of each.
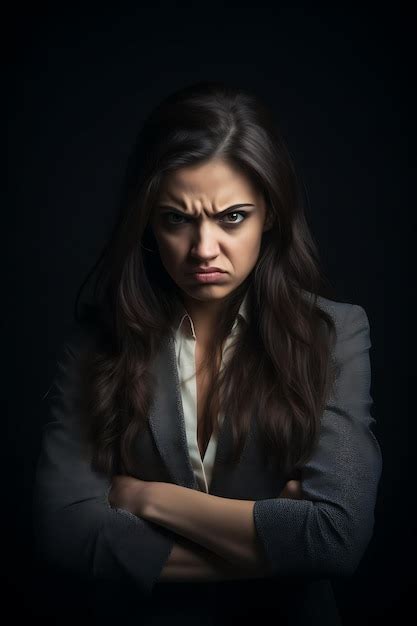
(185, 345)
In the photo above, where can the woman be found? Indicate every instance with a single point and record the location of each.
(210, 421)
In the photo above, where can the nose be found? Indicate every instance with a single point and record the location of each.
(204, 244)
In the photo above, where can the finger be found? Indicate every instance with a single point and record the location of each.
(292, 489)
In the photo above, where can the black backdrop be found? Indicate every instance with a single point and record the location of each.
(80, 81)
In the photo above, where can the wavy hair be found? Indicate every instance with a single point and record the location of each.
(282, 357)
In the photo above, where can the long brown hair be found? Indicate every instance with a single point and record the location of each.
(282, 358)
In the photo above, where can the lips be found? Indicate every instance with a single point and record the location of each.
(207, 270)
(208, 277)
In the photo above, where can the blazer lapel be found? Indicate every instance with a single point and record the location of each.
(166, 418)
(167, 424)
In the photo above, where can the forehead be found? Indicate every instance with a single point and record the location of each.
(213, 179)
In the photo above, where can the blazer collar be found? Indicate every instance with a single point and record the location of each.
(183, 316)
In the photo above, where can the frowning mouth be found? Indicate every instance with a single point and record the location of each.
(209, 277)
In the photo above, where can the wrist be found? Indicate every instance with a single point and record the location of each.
(148, 501)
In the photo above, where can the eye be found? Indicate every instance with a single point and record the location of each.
(167, 215)
(243, 213)
(228, 224)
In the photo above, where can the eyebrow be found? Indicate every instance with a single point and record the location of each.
(234, 206)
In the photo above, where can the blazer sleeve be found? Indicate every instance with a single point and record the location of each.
(75, 528)
(326, 534)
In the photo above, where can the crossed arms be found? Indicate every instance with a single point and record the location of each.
(217, 538)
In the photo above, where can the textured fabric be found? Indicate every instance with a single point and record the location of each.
(306, 541)
(326, 533)
(75, 528)
(185, 345)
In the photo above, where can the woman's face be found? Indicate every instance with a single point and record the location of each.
(196, 224)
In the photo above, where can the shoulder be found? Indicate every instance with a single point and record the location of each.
(351, 322)
(353, 333)
(344, 314)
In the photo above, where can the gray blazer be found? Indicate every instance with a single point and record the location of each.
(309, 541)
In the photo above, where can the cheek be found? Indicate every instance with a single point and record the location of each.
(250, 244)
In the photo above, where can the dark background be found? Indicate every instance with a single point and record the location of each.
(79, 83)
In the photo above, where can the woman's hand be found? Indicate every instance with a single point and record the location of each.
(128, 493)
(293, 490)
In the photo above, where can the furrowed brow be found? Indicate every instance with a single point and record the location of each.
(230, 208)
